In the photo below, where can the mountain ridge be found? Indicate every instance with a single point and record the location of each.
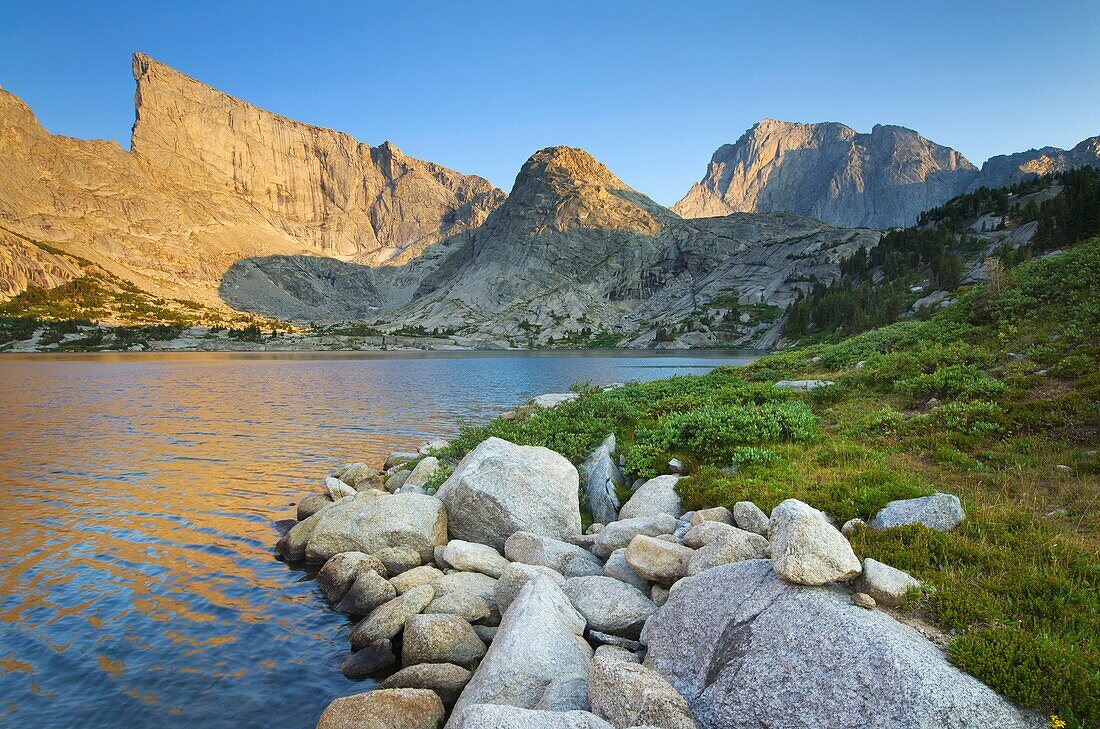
(881, 179)
(1006, 169)
(830, 171)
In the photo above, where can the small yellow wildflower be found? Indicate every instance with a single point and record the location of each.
(1056, 722)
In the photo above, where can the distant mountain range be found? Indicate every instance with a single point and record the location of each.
(225, 204)
(829, 171)
(1007, 169)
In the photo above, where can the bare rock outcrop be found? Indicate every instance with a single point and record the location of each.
(717, 638)
(24, 264)
(500, 488)
(539, 641)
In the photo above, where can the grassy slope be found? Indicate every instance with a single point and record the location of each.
(1013, 366)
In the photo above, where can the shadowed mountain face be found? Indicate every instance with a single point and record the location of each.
(829, 171)
(573, 246)
(212, 180)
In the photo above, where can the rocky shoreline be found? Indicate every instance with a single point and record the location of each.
(97, 338)
(484, 604)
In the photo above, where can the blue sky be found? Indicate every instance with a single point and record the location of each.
(651, 89)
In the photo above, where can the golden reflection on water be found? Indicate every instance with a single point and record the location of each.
(138, 585)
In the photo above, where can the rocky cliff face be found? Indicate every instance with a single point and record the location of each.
(1007, 169)
(211, 181)
(829, 171)
(24, 264)
(337, 196)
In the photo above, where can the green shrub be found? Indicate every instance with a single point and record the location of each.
(710, 433)
(979, 418)
(869, 344)
(16, 329)
(573, 428)
(250, 333)
(751, 455)
(1070, 413)
(1034, 670)
(951, 383)
(880, 421)
(1075, 365)
(439, 475)
(776, 366)
(951, 457)
(866, 492)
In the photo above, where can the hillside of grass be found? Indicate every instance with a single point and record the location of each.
(995, 399)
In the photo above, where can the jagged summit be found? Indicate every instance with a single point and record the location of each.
(881, 179)
(571, 164)
(14, 113)
(153, 76)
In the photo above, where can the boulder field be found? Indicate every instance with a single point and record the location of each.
(482, 604)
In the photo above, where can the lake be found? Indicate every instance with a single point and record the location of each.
(138, 583)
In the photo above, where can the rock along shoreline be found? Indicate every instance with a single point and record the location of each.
(482, 604)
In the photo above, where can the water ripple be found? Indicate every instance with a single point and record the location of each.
(139, 494)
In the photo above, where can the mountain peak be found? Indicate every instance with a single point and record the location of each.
(148, 70)
(14, 112)
(142, 62)
(568, 189)
(570, 165)
(827, 170)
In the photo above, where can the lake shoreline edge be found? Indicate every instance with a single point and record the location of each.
(438, 468)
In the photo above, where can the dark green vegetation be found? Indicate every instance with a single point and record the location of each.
(875, 288)
(1013, 368)
(1072, 216)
